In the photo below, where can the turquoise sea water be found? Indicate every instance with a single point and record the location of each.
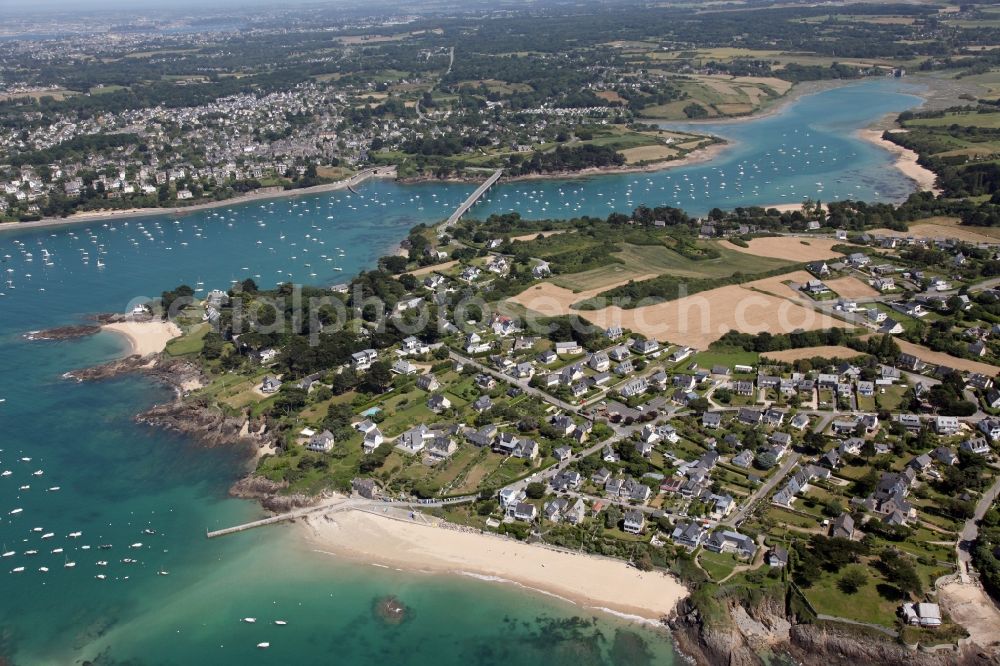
(116, 479)
(806, 149)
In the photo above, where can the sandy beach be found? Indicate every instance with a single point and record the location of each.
(697, 156)
(906, 160)
(145, 337)
(790, 207)
(590, 581)
(258, 195)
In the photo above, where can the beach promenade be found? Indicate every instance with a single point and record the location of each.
(335, 504)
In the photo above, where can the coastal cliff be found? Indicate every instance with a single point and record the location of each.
(72, 331)
(752, 633)
(268, 493)
(207, 423)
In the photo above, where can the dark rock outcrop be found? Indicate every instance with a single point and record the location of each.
(174, 372)
(710, 645)
(391, 610)
(64, 332)
(753, 632)
(206, 423)
(202, 420)
(268, 493)
(822, 644)
(83, 330)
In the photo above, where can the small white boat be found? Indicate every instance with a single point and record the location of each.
(280, 623)
(100, 577)
(17, 570)
(43, 569)
(53, 489)
(48, 535)
(37, 473)
(9, 553)
(75, 535)
(263, 646)
(102, 563)
(56, 551)
(6, 472)
(162, 572)
(31, 552)
(14, 512)
(70, 565)
(249, 620)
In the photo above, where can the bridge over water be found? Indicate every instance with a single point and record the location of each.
(468, 203)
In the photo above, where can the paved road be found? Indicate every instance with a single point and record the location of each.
(451, 62)
(470, 202)
(522, 384)
(763, 491)
(550, 472)
(971, 529)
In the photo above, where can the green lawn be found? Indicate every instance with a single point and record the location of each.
(317, 411)
(987, 120)
(405, 411)
(892, 398)
(309, 472)
(865, 605)
(645, 260)
(104, 89)
(190, 343)
(726, 356)
(866, 403)
(782, 517)
(718, 565)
